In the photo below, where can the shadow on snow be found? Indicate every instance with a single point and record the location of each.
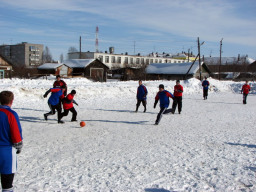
(126, 122)
(156, 190)
(251, 168)
(123, 111)
(243, 145)
(30, 109)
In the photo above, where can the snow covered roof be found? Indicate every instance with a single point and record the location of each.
(250, 60)
(50, 65)
(78, 63)
(72, 63)
(172, 68)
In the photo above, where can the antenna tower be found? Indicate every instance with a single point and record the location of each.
(97, 41)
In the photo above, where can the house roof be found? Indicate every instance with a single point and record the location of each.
(50, 65)
(72, 63)
(227, 60)
(172, 68)
(6, 60)
(78, 63)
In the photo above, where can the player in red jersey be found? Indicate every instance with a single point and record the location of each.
(68, 105)
(59, 83)
(245, 90)
(178, 90)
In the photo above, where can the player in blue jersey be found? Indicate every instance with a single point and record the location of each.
(163, 95)
(205, 85)
(54, 102)
(141, 96)
(10, 140)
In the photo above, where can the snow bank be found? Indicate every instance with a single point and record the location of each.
(87, 89)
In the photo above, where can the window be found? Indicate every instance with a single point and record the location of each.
(106, 59)
(156, 61)
(118, 59)
(101, 58)
(142, 61)
(137, 60)
(147, 61)
(33, 48)
(1, 74)
(151, 60)
(160, 60)
(131, 60)
(126, 60)
(113, 59)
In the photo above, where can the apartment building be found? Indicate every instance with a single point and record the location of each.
(115, 61)
(24, 54)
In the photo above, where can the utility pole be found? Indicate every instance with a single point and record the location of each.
(220, 56)
(200, 69)
(198, 43)
(188, 55)
(80, 50)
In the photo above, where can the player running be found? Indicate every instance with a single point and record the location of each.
(68, 106)
(54, 102)
(163, 95)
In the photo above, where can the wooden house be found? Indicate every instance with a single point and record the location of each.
(5, 68)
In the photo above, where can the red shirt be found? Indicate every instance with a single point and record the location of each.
(178, 90)
(68, 101)
(60, 84)
(246, 88)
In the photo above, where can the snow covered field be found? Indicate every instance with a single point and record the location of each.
(210, 146)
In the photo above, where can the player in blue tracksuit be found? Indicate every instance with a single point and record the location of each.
(141, 96)
(163, 96)
(54, 102)
(205, 85)
(10, 140)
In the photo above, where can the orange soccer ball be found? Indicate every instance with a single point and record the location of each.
(82, 123)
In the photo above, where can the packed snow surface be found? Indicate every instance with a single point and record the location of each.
(210, 146)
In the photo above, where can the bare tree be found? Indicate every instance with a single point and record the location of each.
(47, 56)
(72, 50)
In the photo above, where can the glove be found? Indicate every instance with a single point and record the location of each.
(18, 151)
(18, 146)
(76, 104)
(45, 96)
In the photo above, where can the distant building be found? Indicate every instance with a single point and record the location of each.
(5, 68)
(170, 71)
(90, 68)
(230, 67)
(23, 55)
(117, 61)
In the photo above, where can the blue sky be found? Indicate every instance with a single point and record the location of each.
(169, 26)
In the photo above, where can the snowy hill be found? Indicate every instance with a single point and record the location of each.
(210, 146)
